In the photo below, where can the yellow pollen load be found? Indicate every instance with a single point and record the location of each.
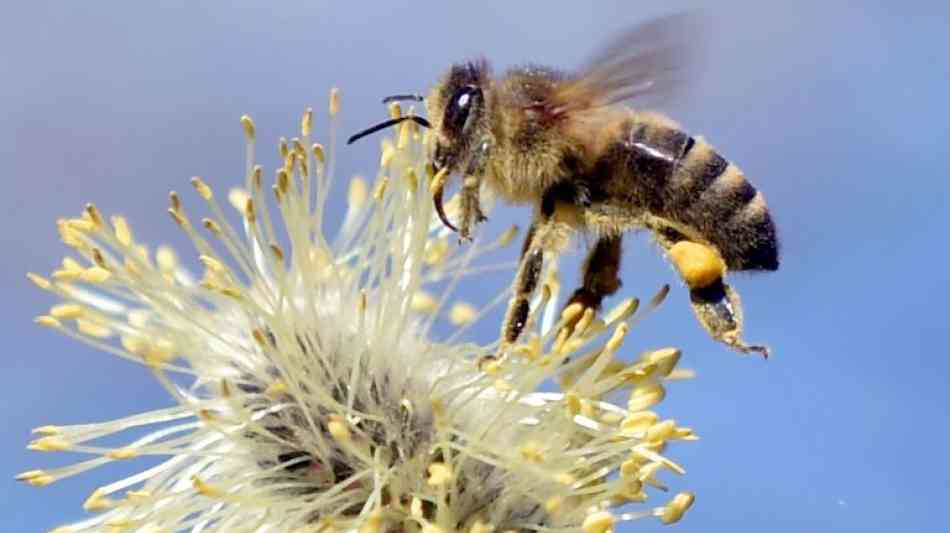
(698, 264)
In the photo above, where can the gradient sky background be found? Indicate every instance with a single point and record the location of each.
(837, 112)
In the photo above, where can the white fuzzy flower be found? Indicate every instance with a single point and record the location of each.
(308, 392)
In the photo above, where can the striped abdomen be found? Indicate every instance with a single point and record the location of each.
(682, 179)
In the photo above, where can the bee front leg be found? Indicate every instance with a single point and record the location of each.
(716, 305)
(470, 206)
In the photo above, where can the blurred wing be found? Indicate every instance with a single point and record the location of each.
(648, 63)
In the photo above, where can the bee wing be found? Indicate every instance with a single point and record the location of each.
(649, 62)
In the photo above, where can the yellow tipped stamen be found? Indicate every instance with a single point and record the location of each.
(277, 252)
(334, 101)
(412, 180)
(508, 236)
(249, 129)
(123, 233)
(48, 321)
(52, 443)
(94, 215)
(37, 478)
(98, 501)
(95, 274)
(66, 311)
(276, 389)
(646, 396)
(387, 156)
(93, 329)
(39, 281)
(122, 453)
(203, 189)
(306, 123)
(616, 340)
(380, 188)
(395, 110)
(47, 430)
(677, 507)
(249, 213)
(339, 429)
(599, 522)
(318, 153)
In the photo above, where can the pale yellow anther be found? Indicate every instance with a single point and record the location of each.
(205, 489)
(584, 322)
(423, 302)
(334, 101)
(665, 360)
(379, 190)
(47, 430)
(66, 311)
(440, 474)
(178, 218)
(436, 251)
(284, 148)
(123, 233)
(211, 226)
(37, 478)
(166, 259)
(438, 180)
(276, 388)
(412, 179)
(39, 281)
(238, 198)
(48, 321)
(94, 215)
(677, 507)
(395, 110)
(571, 312)
(462, 313)
(599, 522)
(387, 155)
(248, 124)
(212, 264)
(122, 453)
(532, 451)
(95, 274)
(569, 346)
(508, 236)
(93, 329)
(306, 123)
(646, 396)
(358, 193)
(638, 422)
(51, 443)
(661, 431)
(318, 152)
(622, 311)
(174, 201)
(98, 501)
(203, 189)
(573, 404)
(698, 264)
(502, 386)
(339, 429)
(283, 181)
(249, 212)
(617, 338)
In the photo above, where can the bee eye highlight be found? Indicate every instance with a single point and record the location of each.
(460, 105)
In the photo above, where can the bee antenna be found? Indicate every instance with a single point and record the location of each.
(399, 97)
(383, 125)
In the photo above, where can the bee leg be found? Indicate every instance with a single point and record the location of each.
(470, 206)
(601, 275)
(526, 281)
(716, 305)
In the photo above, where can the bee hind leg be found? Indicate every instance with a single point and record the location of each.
(716, 305)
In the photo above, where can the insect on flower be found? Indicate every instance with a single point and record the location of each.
(309, 392)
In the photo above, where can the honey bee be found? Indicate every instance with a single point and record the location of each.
(565, 145)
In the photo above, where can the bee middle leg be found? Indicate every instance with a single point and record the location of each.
(601, 276)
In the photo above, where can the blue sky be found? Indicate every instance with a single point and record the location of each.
(836, 111)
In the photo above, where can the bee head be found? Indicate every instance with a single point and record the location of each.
(456, 108)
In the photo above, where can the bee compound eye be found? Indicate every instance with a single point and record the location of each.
(459, 108)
